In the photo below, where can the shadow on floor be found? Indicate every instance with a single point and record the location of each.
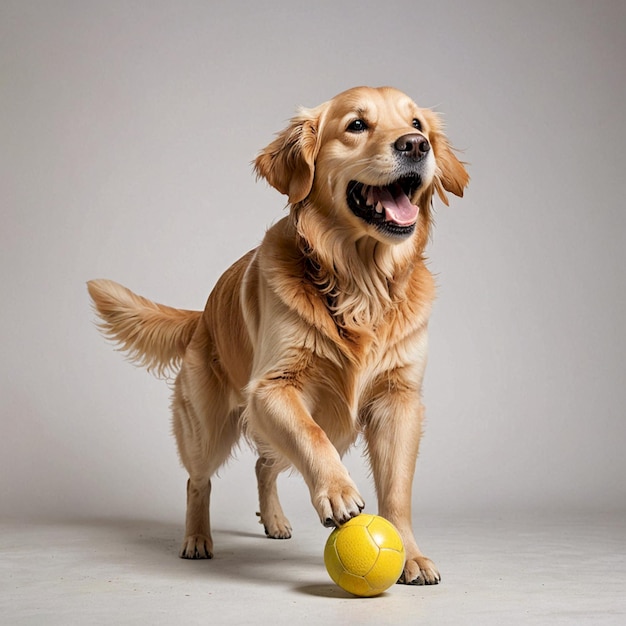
(240, 555)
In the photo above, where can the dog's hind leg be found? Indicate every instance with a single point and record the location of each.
(206, 428)
(271, 512)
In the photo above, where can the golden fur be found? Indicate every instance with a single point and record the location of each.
(320, 334)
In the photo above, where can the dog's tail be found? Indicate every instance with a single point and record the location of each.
(153, 335)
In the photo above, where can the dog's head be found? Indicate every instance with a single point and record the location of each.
(369, 157)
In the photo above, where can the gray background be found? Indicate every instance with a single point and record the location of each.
(127, 130)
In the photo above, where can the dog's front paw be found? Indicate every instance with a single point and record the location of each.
(337, 503)
(197, 547)
(419, 570)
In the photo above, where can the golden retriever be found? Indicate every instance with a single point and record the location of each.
(319, 334)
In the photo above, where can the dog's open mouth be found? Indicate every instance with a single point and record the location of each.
(388, 207)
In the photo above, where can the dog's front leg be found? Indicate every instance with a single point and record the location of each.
(393, 431)
(279, 418)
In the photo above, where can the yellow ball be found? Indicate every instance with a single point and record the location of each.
(365, 556)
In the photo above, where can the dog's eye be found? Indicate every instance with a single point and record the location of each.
(417, 124)
(358, 126)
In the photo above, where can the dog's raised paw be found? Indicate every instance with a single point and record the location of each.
(337, 505)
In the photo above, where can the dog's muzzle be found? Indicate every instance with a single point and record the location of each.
(387, 207)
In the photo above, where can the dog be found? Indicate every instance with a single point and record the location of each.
(319, 335)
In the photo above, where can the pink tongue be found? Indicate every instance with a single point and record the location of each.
(398, 207)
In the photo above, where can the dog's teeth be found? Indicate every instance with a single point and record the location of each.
(379, 207)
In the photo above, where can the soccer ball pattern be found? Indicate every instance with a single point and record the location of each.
(365, 556)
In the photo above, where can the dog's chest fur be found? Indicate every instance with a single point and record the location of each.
(344, 340)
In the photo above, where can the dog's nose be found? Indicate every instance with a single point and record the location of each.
(413, 145)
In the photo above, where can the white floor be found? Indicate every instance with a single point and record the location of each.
(496, 570)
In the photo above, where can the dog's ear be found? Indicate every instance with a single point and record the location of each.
(288, 163)
(451, 174)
